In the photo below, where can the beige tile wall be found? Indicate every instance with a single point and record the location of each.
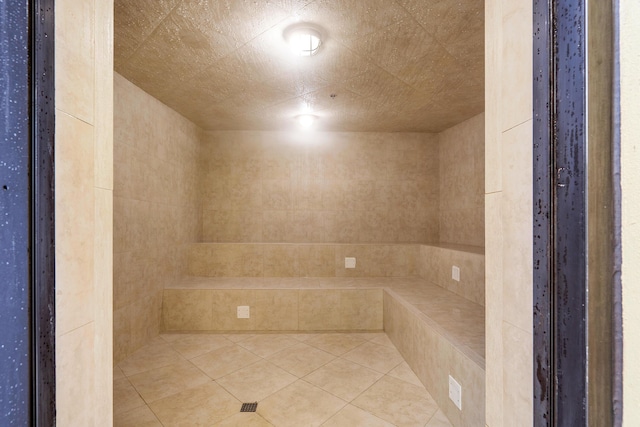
(508, 207)
(83, 210)
(155, 209)
(319, 187)
(301, 260)
(273, 309)
(461, 215)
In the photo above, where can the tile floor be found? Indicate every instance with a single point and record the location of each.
(331, 379)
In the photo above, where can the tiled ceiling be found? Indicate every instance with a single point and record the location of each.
(385, 65)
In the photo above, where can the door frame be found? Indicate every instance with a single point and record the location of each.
(27, 257)
(566, 351)
(42, 52)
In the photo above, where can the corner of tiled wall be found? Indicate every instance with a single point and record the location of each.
(461, 176)
(84, 195)
(157, 156)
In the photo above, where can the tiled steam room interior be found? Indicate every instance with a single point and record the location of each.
(205, 222)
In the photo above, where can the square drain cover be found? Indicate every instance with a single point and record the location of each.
(249, 407)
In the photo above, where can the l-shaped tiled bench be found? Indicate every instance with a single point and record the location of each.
(438, 332)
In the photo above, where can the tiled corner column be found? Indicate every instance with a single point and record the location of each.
(433, 358)
(508, 213)
(83, 210)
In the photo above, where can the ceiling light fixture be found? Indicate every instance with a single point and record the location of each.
(304, 39)
(306, 120)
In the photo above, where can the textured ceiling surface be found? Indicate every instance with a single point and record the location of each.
(384, 65)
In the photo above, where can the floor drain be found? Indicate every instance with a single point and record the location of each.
(249, 407)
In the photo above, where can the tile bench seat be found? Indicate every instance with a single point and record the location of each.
(438, 332)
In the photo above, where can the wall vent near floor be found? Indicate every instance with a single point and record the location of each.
(249, 407)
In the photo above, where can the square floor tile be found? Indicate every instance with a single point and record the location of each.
(150, 357)
(439, 420)
(398, 402)
(352, 416)
(244, 419)
(125, 396)
(300, 404)
(221, 362)
(203, 405)
(139, 417)
(268, 344)
(117, 373)
(301, 359)
(336, 344)
(382, 339)
(375, 356)
(193, 345)
(256, 382)
(343, 378)
(162, 382)
(403, 372)
(169, 337)
(238, 337)
(302, 337)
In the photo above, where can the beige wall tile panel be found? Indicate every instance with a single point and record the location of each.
(280, 260)
(493, 95)
(377, 260)
(518, 376)
(75, 36)
(75, 223)
(103, 276)
(517, 224)
(276, 310)
(495, 354)
(232, 226)
(472, 379)
(516, 63)
(224, 314)
(226, 260)
(103, 237)
(319, 310)
(334, 187)
(316, 260)
(146, 315)
(187, 310)
(76, 392)
(122, 333)
(461, 216)
(361, 309)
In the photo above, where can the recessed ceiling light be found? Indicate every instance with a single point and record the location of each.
(304, 39)
(306, 120)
